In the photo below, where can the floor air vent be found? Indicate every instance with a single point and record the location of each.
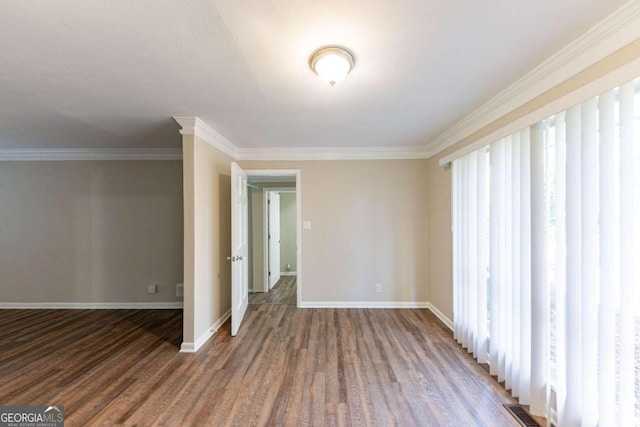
(521, 415)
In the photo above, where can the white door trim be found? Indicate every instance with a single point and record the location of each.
(273, 232)
(298, 190)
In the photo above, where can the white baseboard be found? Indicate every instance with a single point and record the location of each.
(363, 304)
(288, 273)
(189, 347)
(379, 304)
(90, 305)
(440, 316)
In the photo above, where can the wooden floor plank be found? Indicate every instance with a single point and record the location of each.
(288, 366)
(283, 292)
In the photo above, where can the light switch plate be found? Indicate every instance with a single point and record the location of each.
(306, 225)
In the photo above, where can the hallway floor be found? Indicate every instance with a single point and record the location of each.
(284, 292)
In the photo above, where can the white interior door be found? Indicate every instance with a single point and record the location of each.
(274, 238)
(239, 247)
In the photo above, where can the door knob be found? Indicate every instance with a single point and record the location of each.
(239, 258)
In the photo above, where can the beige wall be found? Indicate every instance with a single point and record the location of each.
(90, 231)
(439, 240)
(288, 227)
(439, 179)
(369, 225)
(256, 240)
(207, 236)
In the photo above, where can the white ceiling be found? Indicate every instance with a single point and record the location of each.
(107, 74)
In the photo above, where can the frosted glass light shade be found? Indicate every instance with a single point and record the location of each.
(332, 64)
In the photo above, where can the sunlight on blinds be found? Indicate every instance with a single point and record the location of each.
(546, 229)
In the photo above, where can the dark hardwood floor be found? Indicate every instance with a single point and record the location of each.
(284, 292)
(287, 366)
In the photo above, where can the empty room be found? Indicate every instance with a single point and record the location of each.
(338, 213)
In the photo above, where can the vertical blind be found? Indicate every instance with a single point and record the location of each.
(546, 239)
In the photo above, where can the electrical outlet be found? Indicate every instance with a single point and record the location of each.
(152, 289)
(179, 290)
(378, 287)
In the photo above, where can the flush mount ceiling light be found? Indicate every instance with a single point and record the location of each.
(332, 64)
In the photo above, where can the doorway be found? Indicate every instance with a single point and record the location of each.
(274, 237)
(279, 244)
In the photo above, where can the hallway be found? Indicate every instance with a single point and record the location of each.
(284, 292)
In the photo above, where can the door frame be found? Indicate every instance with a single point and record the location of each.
(265, 226)
(298, 190)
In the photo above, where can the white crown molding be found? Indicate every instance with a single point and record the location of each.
(192, 347)
(62, 154)
(194, 126)
(616, 31)
(363, 304)
(191, 125)
(617, 77)
(91, 305)
(73, 154)
(333, 153)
